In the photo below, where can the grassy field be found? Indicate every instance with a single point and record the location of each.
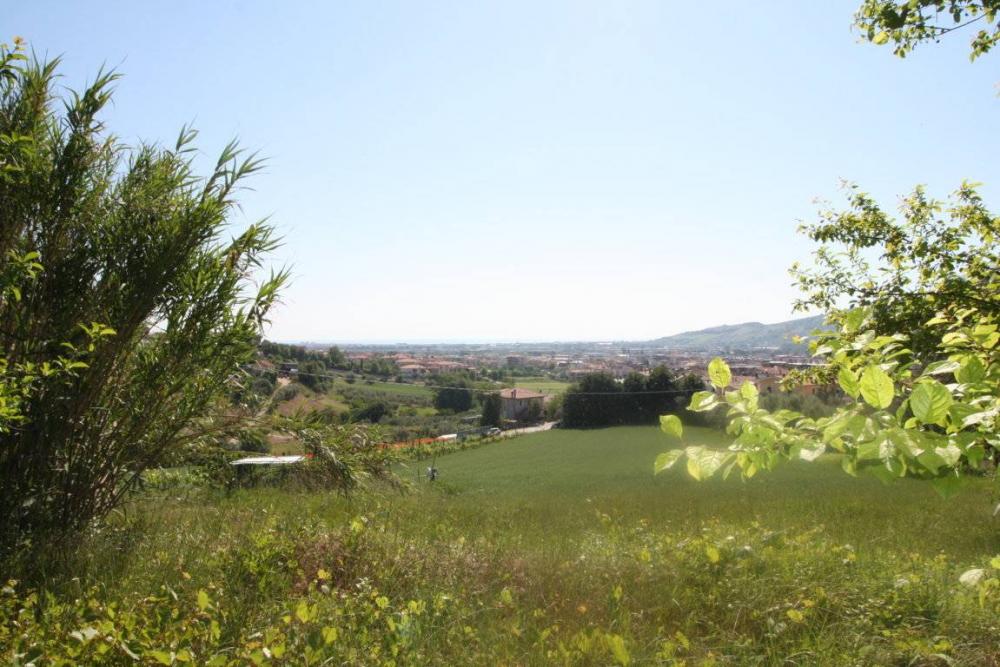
(555, 548)
(556, 479)
(543, 385)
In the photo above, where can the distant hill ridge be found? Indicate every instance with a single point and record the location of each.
(746, 336)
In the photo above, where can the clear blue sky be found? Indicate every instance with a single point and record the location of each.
(574, 170)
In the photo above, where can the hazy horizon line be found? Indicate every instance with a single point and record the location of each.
(521, 341)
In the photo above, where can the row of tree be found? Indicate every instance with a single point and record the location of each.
(598, 399)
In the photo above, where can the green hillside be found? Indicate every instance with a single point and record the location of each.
(746, 336)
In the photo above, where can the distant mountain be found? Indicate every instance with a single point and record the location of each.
(746, 336)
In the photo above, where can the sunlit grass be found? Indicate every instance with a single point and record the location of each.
(557, 478)
(563, 547)
(543, 385)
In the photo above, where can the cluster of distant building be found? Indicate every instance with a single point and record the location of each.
(765, 368)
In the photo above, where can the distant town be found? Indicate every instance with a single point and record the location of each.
(764, 356)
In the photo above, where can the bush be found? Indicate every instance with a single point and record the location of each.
(810, 406)
(252, 440)
(554, 408)
(138, 296)
(312, 374)
(288, 392)
(455, 397)
(370, 413)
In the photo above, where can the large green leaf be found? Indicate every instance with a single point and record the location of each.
(666, 460)
(869, 451)
(949, 454)
(671, 425)
(702, 401)
(848, 382)
(702, 463)
(876, 387)
(959, 412)
(853, 319)
(931, 461)
(833, 430)
(930, 401)
(719, 373)
(986, 335)
(972, 370)
(749, 393)
(941, 367)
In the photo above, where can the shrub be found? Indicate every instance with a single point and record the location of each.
(288, 392)
(136, 283)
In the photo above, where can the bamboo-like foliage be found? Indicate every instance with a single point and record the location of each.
(142, 300)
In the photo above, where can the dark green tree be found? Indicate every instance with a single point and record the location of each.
(660, 380)
(634, 397)
(373, 412)
(535, 412)
(595, 401)
(454, 395)
(335, 358)
(491, 410)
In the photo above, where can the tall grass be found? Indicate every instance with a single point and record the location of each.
(555, 548)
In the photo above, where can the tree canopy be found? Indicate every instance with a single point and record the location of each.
(907, 23)
(599, 400)
(936, 255)
(453, 393)
(491, 410)
(915, 305)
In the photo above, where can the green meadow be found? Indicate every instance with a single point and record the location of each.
(554, 548)
(556, 481)
(543, 385)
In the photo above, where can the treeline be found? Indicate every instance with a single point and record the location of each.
(598, 399)
(283, 351)
(313, 362)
